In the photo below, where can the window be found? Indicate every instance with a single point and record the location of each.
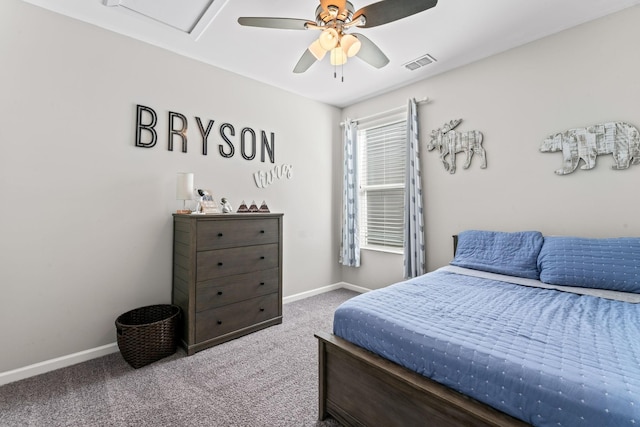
(382, 149)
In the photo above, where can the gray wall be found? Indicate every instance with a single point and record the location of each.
(576, 78)
(86, 221)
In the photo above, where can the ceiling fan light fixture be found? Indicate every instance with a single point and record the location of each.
(338, 57)
(328, 39)
(333, 20)
(316, 49)
(350, 44)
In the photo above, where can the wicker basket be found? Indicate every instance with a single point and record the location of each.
(147, 334)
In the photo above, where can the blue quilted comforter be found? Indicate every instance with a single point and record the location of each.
(547, 357)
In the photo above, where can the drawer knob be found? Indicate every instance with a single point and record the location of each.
(219, 234)
(261, 257)
(262, 231)
(262, 309)
(261, 283)
(219, 292)
(219, 322)
(219, 263)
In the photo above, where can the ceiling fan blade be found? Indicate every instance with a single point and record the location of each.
(387, 11)
(371, 53)
(280, 23)
(340, 4)
(306, 60)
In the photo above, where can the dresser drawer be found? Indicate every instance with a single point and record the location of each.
(229, 262)
(223, 320)
(225, 234)
(230, 289)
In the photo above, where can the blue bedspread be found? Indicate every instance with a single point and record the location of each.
(547, 357)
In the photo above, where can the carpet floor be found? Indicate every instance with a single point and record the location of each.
(267, 378)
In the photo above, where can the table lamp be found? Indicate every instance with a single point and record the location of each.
(184, 191)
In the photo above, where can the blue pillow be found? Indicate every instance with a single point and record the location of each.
(514, 254)
(612, 264)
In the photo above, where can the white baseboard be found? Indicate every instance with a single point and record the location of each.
(307, 294)
(354, 288)
(83, 356)
(57, 363)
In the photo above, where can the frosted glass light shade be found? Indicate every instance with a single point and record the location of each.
(350, 44)
(338, 57)
(317, 50)
(328, 39)
(184, 186)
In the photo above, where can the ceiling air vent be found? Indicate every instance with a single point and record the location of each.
(420, 62)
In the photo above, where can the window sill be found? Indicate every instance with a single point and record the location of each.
(383, 249)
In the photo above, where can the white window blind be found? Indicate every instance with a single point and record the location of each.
(382, 174)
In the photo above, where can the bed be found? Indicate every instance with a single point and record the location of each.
(521, 329)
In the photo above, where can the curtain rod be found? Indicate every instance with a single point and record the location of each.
(392, 110)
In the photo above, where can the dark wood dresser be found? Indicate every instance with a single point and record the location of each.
(227, 275)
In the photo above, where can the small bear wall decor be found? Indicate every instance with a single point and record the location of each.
(619, 139)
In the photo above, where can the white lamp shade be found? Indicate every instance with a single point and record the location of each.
(350, 44)
(317, 50)
(184, 186)
(328, 39)
(338, 57)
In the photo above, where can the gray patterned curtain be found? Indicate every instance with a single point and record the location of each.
(414, 251)
(350, 241)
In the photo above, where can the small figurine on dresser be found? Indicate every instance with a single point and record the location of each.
(264, 208)
(226, 206)
(242, 208)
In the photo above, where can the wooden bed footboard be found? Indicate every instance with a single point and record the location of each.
(359, 388)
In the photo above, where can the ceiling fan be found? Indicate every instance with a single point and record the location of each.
(334, 18)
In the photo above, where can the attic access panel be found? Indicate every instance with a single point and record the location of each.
(179, 14)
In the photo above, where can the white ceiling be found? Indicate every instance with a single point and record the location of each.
(455, 32)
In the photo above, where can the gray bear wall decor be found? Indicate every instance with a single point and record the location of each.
(450, 142)
(619, 139)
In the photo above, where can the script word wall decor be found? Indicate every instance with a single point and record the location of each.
(450, 142)
(619, 139)
(264, 179)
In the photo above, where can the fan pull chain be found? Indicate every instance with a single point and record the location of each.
(335, 72)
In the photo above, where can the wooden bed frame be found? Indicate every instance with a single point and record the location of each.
(360, 388)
